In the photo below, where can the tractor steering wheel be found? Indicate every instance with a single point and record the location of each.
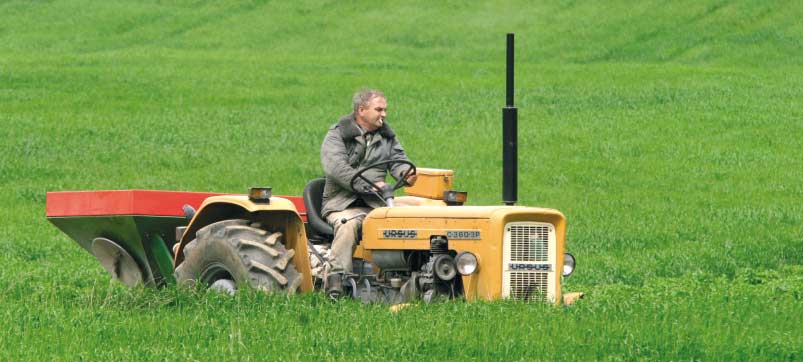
(386, 190)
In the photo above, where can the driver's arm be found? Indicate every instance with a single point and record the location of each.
(397, 154)
(334, 159)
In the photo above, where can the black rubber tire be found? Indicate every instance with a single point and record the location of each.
(239, 251)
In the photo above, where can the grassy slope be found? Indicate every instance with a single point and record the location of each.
(669, 134)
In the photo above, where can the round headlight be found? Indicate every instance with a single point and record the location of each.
(466, 263)
(568, 264)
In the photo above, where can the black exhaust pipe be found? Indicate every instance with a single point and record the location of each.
(510, 136)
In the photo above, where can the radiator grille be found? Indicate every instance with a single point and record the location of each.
(530, 259)
(529, 286)
(529, 243)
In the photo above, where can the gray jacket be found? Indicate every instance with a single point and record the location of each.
(344, 151)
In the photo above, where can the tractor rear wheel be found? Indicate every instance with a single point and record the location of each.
(233, 254)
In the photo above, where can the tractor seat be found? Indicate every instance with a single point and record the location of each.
(313, 200)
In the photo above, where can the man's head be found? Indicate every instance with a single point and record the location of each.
(370, 109)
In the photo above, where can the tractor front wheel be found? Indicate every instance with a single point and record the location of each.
(233, 254)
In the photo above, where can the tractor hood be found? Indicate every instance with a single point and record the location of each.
(458, 212)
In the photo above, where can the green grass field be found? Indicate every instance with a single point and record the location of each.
(668, 133)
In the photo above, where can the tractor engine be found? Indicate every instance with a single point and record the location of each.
(424, 274)
(475, 252)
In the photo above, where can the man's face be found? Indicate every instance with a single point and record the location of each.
(373, 116)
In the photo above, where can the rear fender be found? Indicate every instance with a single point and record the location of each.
(280, 214)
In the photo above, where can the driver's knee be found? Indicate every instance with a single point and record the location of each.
(350, 227)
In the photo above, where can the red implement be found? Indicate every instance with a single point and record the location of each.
(131, 232)
(133, 202)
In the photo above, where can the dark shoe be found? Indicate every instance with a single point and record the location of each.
(334, 286)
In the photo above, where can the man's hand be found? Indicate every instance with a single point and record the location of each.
(411, 179)
(379, 185)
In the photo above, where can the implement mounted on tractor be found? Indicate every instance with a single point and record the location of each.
(432, 247)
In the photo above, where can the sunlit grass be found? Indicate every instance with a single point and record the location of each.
(669, 134)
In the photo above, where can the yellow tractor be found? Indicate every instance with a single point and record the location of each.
(434, 248)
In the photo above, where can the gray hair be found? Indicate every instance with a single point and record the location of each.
(364, 96)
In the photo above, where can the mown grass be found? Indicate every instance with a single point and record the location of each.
(668, 133)
(696, 316)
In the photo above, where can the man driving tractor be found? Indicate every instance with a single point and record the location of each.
(357, 140)
(439, 249)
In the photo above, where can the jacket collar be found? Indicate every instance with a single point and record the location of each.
(349, 129)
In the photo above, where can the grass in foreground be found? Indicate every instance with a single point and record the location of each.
(696, 316)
